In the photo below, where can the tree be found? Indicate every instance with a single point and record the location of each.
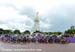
(27, 32)
(70, 31)
(16, 32)
(1, 31)
(49, 33)
(58, 33)
(7, 32)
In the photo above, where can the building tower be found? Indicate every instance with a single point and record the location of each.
(36, 26)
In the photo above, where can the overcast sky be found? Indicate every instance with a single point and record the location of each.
(55, 15)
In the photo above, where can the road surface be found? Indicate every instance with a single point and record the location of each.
(36, 47)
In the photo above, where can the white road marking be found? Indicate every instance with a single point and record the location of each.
(4, 49)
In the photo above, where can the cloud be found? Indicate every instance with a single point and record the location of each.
(29, 11)
(11, 19)
(55, 15)
(61, 18)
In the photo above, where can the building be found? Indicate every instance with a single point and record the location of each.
(36, 26)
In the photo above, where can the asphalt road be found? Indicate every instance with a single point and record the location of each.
(36, 47)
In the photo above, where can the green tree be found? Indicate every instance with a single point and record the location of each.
(7, 32)
(58, 33)
(16, 32)
(1, 31)
(27, 32)
(70, 31)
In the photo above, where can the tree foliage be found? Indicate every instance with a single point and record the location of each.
(16, 32)
(1, 31)
(26, 32)
(70, 31)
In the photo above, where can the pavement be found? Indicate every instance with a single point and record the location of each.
(36, 47)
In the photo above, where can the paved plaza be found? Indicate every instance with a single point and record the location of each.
(36, 47)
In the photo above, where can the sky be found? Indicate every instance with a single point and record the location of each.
(54, 15)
